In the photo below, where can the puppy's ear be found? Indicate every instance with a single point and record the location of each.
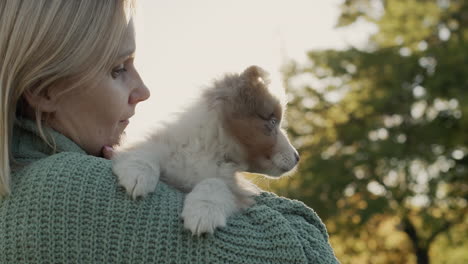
(256, 77)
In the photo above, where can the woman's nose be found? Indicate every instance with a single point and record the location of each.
(139, 94)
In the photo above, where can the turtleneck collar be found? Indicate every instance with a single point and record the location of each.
(27, 144)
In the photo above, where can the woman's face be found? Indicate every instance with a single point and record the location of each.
(96, 116)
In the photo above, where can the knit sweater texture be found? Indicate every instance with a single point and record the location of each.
(68, 208)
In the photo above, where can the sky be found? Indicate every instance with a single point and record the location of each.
(183, 45)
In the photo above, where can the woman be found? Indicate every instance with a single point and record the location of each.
(68, 88)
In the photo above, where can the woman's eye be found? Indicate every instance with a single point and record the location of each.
(118, 70)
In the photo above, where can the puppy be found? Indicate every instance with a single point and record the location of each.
(233, 127)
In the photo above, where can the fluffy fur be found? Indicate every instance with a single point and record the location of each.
(233, 127)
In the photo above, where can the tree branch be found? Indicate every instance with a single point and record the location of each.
(443, 228)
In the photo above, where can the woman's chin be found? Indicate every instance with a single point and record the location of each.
(119, 139)
(124, 122)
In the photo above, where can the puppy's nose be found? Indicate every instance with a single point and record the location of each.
(296, 155)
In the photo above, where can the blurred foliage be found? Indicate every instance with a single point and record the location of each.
(383, 134)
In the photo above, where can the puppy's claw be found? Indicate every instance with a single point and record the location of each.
(142, 186)
(137, 181)
(246, 202)
(203, 218)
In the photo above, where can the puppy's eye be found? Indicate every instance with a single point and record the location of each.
(262, 117)
(266, 117)
(271, 124)
(273, 121)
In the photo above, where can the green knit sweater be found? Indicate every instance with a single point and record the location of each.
(68, 208)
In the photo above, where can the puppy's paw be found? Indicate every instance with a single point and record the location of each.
(203, 217)
(137, 179)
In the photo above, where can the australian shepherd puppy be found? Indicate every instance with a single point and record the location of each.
(235, 126)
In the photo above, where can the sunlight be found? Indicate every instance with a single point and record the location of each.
(182, 46)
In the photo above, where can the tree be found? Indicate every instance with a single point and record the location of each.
(384, 130)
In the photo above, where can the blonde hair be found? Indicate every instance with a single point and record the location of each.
(43, 42)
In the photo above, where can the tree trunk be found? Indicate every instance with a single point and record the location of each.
(422, 253)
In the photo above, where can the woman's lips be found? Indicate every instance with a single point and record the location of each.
(125, 122)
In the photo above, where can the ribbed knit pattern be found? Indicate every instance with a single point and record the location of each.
(68, 208)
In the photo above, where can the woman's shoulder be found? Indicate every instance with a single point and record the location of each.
(284, 229)
(72, 174)
(69, 207)
(292, 208)
(61, 170)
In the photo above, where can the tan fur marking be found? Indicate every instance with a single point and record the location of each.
(250, 133)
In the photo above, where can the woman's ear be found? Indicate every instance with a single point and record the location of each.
(45, 102)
